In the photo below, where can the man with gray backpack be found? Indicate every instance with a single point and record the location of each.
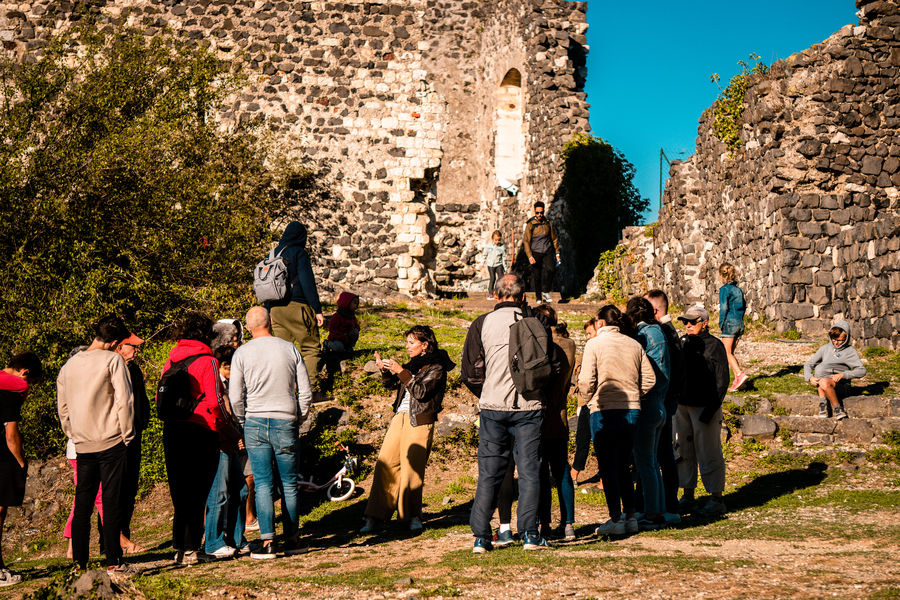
(285, 283)
(508, 363)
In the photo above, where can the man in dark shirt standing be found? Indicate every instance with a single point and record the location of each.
(128, 349)
(23, 370)
(542, 249)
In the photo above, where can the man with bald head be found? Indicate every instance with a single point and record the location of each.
(270, 394)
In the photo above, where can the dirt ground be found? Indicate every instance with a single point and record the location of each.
(795, 530)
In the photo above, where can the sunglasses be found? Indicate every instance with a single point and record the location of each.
(691, 321)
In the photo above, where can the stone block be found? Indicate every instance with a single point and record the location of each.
(806, 424)
(812, 439)
(867, 406)
(855, 431)
(798, 404)
(757, 427)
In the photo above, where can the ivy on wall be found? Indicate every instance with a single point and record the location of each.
(728, 109)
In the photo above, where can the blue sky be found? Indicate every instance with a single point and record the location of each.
(649, 66)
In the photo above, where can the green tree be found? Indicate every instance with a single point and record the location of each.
(601, 200)
(120, 192)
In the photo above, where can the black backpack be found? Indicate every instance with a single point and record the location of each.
(530, 357)
(174, 400)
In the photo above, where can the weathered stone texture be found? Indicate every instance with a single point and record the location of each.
(808, 209)
(395, 101)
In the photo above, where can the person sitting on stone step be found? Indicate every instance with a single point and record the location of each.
(832, 367)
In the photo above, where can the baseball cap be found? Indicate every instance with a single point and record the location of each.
(694, 313)
(132, 340)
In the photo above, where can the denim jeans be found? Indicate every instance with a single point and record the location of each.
(646, 444)
(501, 434)
(613, 435)
(267, 439)
(555, 463)
(226, 506)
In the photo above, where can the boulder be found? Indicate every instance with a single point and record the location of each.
(798, 404)
(867, 406)
(94, 584)
(757, 427)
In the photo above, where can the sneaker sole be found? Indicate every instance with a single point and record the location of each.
(534, 547)
(479, 550)
(263, 556)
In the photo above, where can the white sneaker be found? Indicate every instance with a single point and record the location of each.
(631, 525)
(548, 299)
(611, 528)
(415, 524)
(672, 518)
(193, 557)
(224, 552)
(9, 578)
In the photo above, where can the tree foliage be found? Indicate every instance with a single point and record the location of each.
(119, 192)
(601, 199)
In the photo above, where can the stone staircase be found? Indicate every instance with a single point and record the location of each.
(870, 417)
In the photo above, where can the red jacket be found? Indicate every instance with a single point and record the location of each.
(204, 380)
(343, 326)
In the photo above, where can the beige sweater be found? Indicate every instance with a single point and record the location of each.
(95, 401)
(615, 372)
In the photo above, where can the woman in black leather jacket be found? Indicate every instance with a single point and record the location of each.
(400, 469)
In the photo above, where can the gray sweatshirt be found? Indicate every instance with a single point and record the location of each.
(829, 360)
(269, 381)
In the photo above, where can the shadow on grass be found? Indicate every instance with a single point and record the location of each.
(872, 389)
(753, 384)
(770, 486)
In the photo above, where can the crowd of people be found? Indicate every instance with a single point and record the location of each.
(651, 407)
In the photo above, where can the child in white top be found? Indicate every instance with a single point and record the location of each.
(495, 260)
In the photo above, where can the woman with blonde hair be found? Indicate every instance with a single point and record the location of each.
(731, 320)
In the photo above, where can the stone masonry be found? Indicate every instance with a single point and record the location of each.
(808, 209)
(394, 103)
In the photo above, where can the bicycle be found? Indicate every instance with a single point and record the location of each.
(339, 487)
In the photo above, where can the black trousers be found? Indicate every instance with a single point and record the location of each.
(106, 467)
(130, 484)
(495, 274)
(507, 494)
(501, 435)
(192, 459)
(542, 272)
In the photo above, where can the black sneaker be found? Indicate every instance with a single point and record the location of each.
(264, 552)
(293, 548)
(839, 413)
(823, 410)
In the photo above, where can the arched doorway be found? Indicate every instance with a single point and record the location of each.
(509, 140)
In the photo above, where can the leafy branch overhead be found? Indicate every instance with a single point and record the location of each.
(120, 192)
(728, 109)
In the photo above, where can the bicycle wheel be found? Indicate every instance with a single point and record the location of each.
(341, 490)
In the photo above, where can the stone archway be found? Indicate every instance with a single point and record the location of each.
(509, 138)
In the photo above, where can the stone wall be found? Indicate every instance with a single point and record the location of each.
(808, 208)
(393, 102)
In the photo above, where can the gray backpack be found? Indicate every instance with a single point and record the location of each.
(530, 357)
(270, 278)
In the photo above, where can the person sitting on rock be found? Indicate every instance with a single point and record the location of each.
(343, 327)
(832, 367)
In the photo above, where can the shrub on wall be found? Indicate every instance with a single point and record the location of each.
(120, 193)
(601, 200)
(728, 109)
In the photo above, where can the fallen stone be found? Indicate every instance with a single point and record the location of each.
(757, 427)
(451, 421)
(94, 584)
(806, 424)
(857, 431)
(370, 367)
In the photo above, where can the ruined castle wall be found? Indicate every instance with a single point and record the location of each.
(393, 102)
(809, 209)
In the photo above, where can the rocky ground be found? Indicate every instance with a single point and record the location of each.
(804, 521)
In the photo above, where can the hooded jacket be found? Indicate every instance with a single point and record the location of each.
(343, 326)
(205, 382)
(829, 360)
(292, 247)
(705, 373)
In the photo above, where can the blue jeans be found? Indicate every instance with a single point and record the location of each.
(646, 444)
(267, 439)
(555, 463)
(226, 506)
(613, 435)
(501, 434)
